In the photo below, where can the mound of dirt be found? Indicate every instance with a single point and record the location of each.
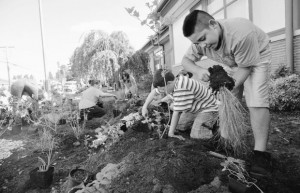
(159, 165)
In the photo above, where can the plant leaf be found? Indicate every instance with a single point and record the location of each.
(136, 13)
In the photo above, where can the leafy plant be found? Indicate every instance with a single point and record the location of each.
(281, 71)
(131, 119)
(107, 135)
(158, 121)
(46, 164)
(73, 120)
(285, 93)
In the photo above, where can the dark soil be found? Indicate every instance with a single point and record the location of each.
(161, 165)
(79, 175)
(219, 78)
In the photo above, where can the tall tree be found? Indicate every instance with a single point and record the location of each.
(100, 55)
(138, 64)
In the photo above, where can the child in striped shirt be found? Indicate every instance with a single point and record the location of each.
(188, 94)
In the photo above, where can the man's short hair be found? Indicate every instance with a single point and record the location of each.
(194, 18)
(158, 79)
(91, 82)
(94, 82)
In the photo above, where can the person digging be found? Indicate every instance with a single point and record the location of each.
(238, 44)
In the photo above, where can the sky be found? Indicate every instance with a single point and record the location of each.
(64, 23)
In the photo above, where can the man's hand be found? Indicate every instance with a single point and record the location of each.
(204, 75)
(176, 136)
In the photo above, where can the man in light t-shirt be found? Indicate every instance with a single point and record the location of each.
(89, 100)
(236, 43)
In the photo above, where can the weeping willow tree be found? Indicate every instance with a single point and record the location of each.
(100, 55)
(104, 65)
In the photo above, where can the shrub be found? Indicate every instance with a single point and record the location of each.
(281, 71)
(285, 93)
(145, 83)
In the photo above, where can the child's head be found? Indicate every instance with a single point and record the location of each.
(201, 28)
(160, 77)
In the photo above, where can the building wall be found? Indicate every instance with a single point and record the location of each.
(297, 54)
(256, 13)
(278, 53)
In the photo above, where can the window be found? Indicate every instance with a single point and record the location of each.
(214, 5)
(158, 58)
(269, 15)
(239, 8)
(221, 9)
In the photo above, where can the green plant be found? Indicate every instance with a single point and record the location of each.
(46, 164)
(158, 121)
(145, 83)
(281, 71)
(73, 120)
(285, 93)
(46, 140)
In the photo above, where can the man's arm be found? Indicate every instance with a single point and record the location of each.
(190, 66)
(174, 122)
(241, 75)
(103, 94)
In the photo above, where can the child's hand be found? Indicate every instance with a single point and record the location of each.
(145, 112)
(176, 136)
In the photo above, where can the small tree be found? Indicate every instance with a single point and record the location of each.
(153, 20)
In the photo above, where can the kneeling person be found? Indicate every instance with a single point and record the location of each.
(89, 100)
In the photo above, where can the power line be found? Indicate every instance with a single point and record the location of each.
(7, 63)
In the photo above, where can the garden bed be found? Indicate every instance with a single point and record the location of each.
(153, 164)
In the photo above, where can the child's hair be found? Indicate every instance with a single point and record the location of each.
(158, 79)
(190, 21)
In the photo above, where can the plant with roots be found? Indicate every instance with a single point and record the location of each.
(237, 169)
(232, 116)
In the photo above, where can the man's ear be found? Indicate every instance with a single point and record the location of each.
(213, 23)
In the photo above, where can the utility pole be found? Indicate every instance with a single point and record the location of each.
(7, 63)
(42, 38)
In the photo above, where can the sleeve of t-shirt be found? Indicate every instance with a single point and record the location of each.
(246, 52)
(193, 53)
(98, 92)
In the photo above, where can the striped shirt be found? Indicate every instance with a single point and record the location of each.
(192, 96)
